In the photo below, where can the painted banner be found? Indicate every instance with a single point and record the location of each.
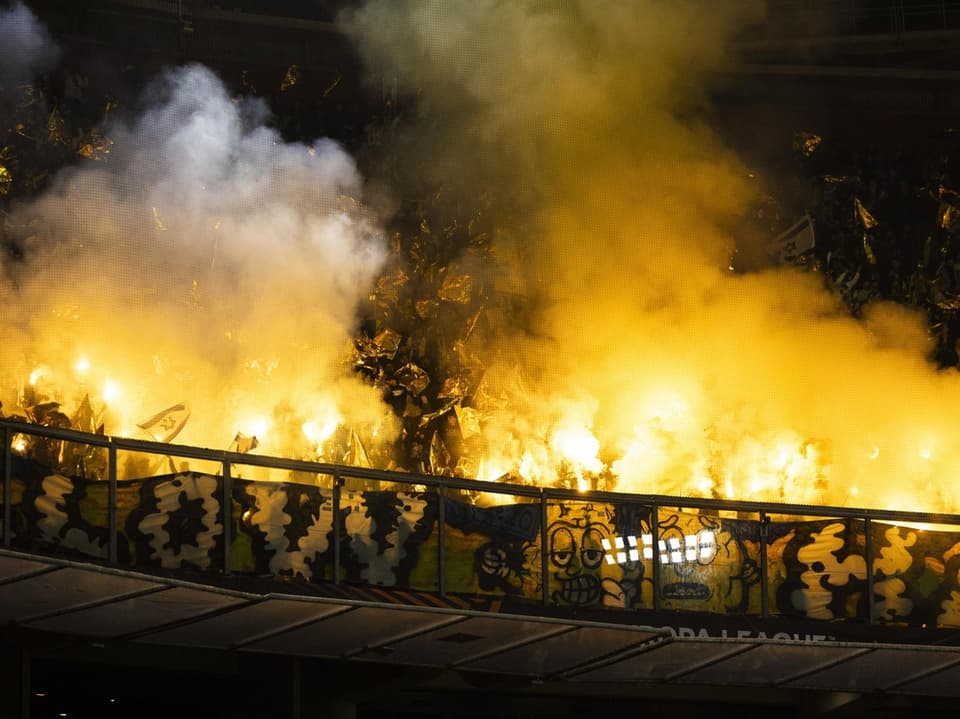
(589, 554)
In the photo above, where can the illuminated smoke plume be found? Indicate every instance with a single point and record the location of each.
(207, 262)
(25, 46)
(648, 358)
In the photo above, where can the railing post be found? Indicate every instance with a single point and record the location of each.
(227, 515)
(655, 535)
(112, 501)
(7, 485)
(544, 550)
(868, 560)
(336, 526)
(441, 540)
(764, 568)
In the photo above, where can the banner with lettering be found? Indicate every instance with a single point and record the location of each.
(599, 555)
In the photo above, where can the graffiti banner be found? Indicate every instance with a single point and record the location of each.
(591, 555)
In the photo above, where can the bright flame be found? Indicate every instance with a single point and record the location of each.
(255, 426)
(667, 406)
(577, 445)
(111, 391)
(530, 469)
(317, 433)
(490, 470)
(82, 365)
(704, 485)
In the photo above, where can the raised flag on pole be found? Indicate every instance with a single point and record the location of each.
(794, 242)
(167, 424)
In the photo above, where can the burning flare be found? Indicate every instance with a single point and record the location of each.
(209, 261)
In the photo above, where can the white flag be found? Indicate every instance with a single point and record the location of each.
(794, 242)
(165, 425)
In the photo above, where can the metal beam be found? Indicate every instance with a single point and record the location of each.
(101, 601)
(402, 637)
(7, 485)
(736, 651)
(474, 485)
(514, 645)
(615, 657)
(28, 575)
(823, 665)
(293, 626)
(177, 623)
(922, 675)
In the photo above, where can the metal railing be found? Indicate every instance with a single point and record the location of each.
(764, 512)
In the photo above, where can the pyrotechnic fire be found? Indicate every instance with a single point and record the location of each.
(215, 276)
(678, 444)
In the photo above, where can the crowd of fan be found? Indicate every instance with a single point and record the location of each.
(886, 220)
(887, 225)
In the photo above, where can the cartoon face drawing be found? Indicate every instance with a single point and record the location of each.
(576, 560)
(576, 556)
(687, 547)
(705, 567)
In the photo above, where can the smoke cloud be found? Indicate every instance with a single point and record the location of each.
(648, 356)
(207, 261)
(25, 47)
(210, 261)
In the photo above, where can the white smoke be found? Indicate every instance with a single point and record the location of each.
(206, 260)
(25, 47)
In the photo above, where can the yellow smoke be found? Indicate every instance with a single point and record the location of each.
(690, 379)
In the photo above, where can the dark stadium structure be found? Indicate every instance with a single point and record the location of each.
(150, 593)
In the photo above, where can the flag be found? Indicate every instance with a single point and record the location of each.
(356, 455)
(290, 78)
(84, 417)
(244, 443)
(165, 425)
(439, 456)
(468, 420)
(863, 216)
(794, 242)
